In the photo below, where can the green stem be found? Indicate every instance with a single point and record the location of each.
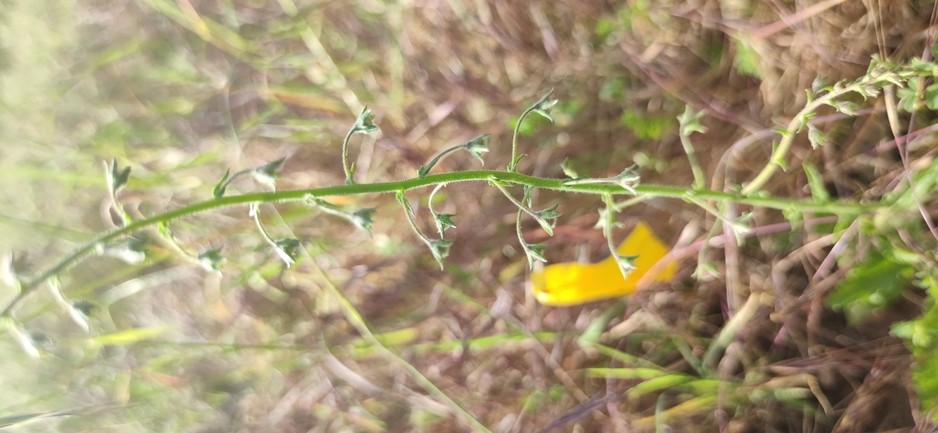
(345, 164)
(700, 181)
(607, 232)
(233, 177)
(177, 246)
(425, 169)
(650, 191)
(255, 207)
(788, 136)
(413, 224)
(524, 245)
(512, 167)
(544, 224)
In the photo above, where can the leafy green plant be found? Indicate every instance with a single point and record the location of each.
(518, 189)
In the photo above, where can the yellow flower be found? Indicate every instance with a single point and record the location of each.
(565, 284)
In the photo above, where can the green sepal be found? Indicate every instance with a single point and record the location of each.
(543, 105)
(690, 122)
(219, 190)
(211, 259)
(440, 249)
(514, 163)
(626, 263)
(535, 252)
(362, 218)
(547, 218)
(816, 136)
(268, 173)
(116, 178)
(288, 250)
(363, 124)
(478, 146)
(351, 174)
(629, 179)
(846, 107)
(568, 169)
(443, 222)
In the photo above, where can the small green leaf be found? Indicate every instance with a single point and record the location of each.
(212, 260)
(219, 190)
(874, 283)
(931, 97)
(907, 98)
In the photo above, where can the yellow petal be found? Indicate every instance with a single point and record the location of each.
(566, 284)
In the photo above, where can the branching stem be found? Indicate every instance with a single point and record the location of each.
(649, 191)
(777, 159)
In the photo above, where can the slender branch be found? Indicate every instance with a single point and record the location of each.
(690, 123)
(626, 263)
(540, 220)
(345, 164)
(650, 191)
(439, 248)
(777, 159)
(541, 106)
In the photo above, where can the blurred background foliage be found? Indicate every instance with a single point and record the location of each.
(182, 90)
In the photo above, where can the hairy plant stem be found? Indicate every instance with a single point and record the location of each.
(610, 221)
(544, 224)
(777, 159)
(514, 139)
(345, 164)
(648, 191)
(412, 220)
